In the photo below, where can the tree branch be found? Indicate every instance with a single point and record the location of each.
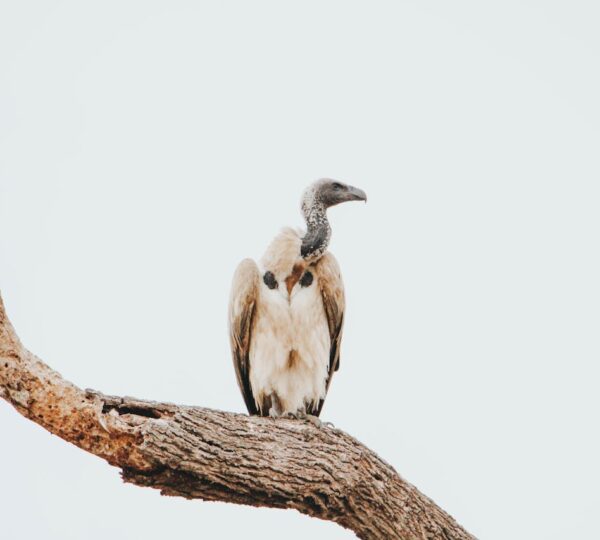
(199, 453)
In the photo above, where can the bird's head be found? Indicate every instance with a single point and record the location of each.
(327, 192)
(317, 198)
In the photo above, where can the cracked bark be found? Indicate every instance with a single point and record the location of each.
(199, 453)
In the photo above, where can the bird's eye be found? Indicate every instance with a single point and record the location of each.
(337, 186)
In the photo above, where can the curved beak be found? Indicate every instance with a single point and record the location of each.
(355, 194)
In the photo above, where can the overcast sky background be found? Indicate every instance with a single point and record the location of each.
(147, 147)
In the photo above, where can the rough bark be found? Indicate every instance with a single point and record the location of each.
(199, 453)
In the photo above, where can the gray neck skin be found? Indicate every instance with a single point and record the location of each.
(318, 232)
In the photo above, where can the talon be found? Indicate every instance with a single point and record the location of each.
(314, 420)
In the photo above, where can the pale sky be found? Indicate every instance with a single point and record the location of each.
(147, 147)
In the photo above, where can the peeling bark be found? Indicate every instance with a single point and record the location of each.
(199, 453)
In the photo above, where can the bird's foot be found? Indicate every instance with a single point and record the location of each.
(314, 420)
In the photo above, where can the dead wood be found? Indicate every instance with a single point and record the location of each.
(199, 453)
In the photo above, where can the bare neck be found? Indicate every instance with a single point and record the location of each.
(318, 232)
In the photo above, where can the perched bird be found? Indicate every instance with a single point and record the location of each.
(286, 313)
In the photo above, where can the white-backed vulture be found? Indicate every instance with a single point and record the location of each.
(286, 313)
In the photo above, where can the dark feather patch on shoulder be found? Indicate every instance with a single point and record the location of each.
(307, 279)
(270, 281)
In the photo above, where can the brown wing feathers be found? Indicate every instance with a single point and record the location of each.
(242, 306)
(334, 303)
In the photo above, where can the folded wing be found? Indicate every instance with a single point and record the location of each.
(331, 285)
(242, 308)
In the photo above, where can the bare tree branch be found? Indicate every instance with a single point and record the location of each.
(199, 453)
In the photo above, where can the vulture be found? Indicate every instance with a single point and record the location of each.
(286, 313)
